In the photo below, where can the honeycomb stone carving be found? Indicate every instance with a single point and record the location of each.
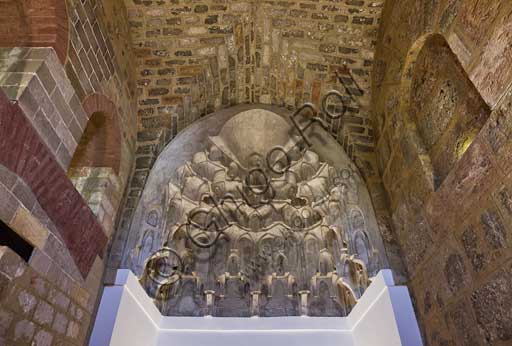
(258, 234)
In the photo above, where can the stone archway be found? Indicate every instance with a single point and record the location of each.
(274, 220)
(441, 110)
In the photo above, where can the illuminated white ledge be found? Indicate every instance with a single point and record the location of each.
(383, 317)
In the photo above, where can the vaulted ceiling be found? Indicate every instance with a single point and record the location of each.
(197, 57)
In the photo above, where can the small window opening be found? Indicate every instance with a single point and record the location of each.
(16, 243)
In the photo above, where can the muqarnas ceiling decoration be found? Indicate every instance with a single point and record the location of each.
(244, 229)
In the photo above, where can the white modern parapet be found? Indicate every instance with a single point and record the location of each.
(127, 316)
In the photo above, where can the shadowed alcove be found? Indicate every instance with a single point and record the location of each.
(444, 108)
(94, 168)
(100, 144)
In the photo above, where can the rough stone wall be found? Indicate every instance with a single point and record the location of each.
(299, 48)
(192, 59)
(195, 58)
(455, 234)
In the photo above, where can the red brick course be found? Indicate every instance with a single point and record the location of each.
(24, 153)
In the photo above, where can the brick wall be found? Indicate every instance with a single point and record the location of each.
(39, 202)
(24, 153)
(37, 308)
(33, 295)
(100, 145)
(40, 130)
(100, 61)
(23, 213)
(100, 187)
(36, 79)
(34, 24)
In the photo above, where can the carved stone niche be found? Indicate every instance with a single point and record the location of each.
(445, 107)
(260, 223)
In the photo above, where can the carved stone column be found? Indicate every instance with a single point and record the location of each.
(255, 303)
(210, 299)
(303, 309)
